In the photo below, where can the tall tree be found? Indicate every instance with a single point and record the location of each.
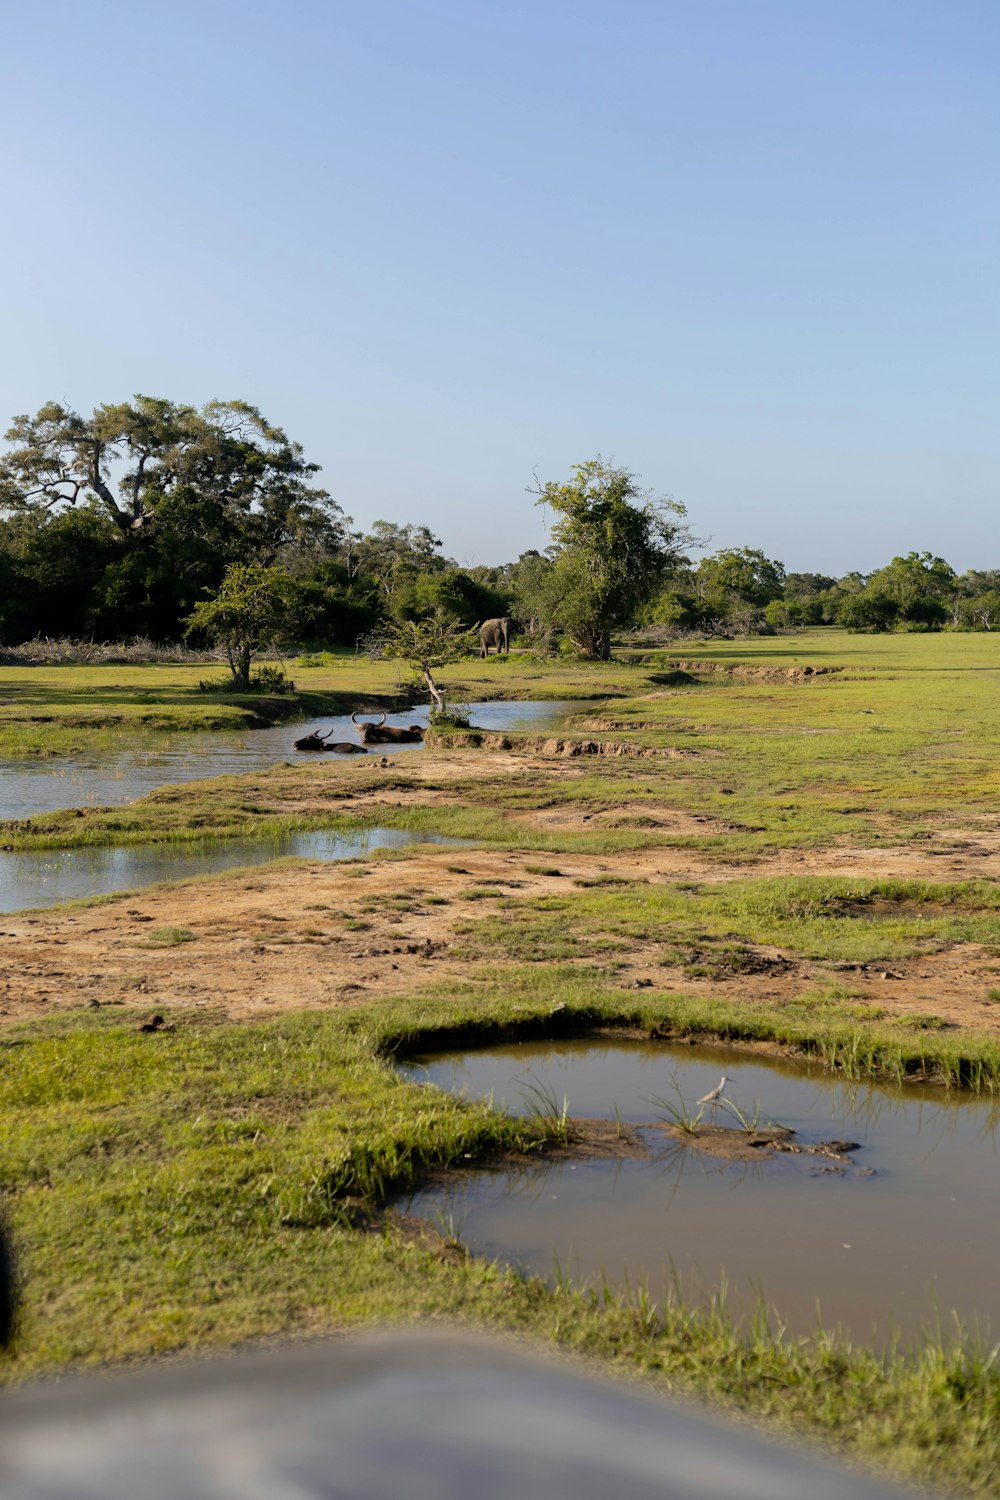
(224, 473)
(394, 556)
(613, 544)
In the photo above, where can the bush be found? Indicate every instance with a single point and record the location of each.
(46, 652)
(317, 659)
(269, 680)
(452, 720)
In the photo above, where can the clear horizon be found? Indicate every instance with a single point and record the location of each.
(748, 251)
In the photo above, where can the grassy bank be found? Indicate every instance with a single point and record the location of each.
(702, 926)
(213, 1183)
(900, 743)
(92, 709)
(229, 807)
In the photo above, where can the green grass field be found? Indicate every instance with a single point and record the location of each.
(212, 1184)
(905, 738)
(218, 1182)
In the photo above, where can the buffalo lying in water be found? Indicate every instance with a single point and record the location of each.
(317, 741)
(387, 734)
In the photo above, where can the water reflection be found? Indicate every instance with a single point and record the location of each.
(906, 1228)
(107, 779)
(44, 878)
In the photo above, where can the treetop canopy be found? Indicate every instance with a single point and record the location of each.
(135, 459)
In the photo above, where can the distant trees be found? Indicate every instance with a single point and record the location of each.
(915, 590)
(126, 522)
(532, 588)
(919, 585)
(980, 611)
(868, 610)
(736, 583)
(974, 603)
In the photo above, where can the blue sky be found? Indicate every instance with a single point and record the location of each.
(746, 247)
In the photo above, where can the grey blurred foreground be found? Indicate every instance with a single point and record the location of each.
(405, 1417)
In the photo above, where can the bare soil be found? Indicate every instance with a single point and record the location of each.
(339, 934)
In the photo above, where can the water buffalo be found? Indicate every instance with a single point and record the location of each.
(495, 633)
(317, 741)
(387, 734)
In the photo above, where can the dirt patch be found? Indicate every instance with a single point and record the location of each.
(749, 672)
(729, 960)
(588, 1140)
(880, 910)
(727, 1143)
(291, 938)
(478, 739)
(730, 1144)
(341, 934)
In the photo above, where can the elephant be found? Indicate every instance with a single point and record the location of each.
(387, 734)
(495, 633)
(318, 741)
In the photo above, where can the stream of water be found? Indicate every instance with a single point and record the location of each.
(46, 877)
(35, 785)
(900, 1238)
(32, 878)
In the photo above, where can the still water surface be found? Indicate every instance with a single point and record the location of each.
(107, 779)
(46, 877)
(914, 1242)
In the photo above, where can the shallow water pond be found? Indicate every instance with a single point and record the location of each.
(46, 877)
(44, 785)
(902, 1236)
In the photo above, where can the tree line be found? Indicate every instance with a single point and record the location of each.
(128, 523)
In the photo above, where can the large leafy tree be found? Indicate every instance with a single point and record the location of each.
(870, 610)
(919, 584)
(613, 545)
(222, 477)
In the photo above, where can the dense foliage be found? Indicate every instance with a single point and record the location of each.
(124, 524)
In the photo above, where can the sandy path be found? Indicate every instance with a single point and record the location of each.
(283, 938)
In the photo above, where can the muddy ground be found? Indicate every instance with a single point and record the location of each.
(272, 939)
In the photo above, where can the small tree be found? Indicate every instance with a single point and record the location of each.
(246, 615)
(425, 646)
